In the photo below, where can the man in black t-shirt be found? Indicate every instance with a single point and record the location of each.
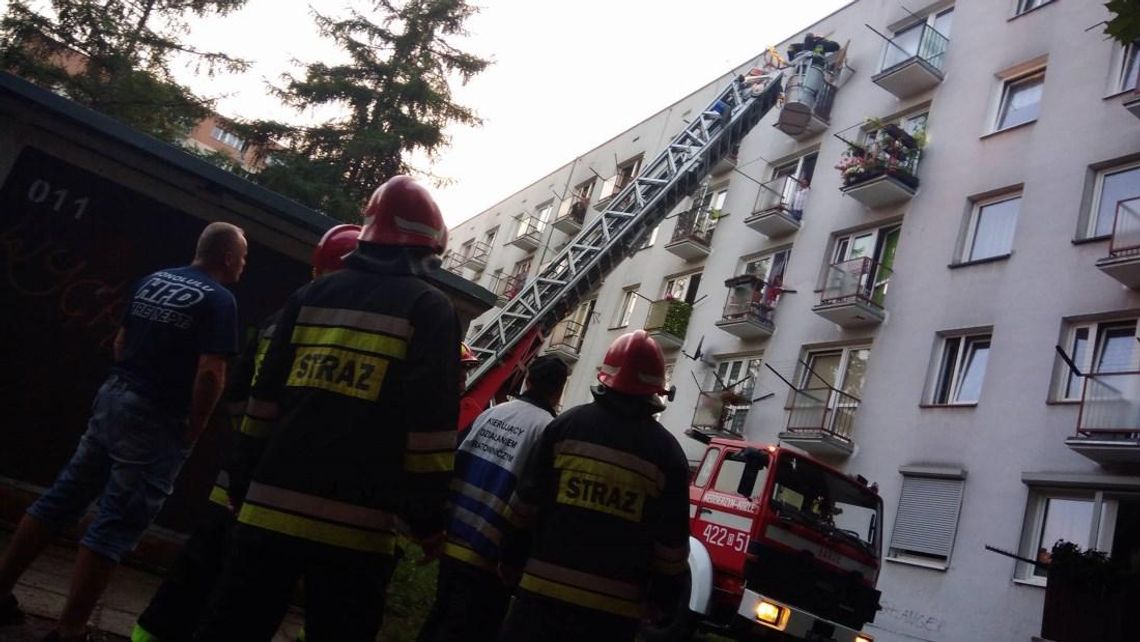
(178, 330)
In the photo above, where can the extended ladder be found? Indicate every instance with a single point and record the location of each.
(625, 222)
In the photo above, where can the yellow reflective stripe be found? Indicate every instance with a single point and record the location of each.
(487, 498)
(429, 462)
(580, 597)
(322, 508)
(608, 472)
(317, 531)
(350, 339)
(220, 496)
(254, 427)
(611, 456)
(359, 319)
(436, 440)
(139, 634)
(485, 528)
(464, 554)
(583, 580)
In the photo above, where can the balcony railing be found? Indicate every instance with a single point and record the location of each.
(931, 50)
(722, 411)
(860, 279)
(1110, 406)
(786, 193)
(571, 215)
(695, 225)
(888, 152)
(566, 338)
(506, 287)
(1126, 229)
(529, 234)
(749, 307)
(823, 410)
(668, 321)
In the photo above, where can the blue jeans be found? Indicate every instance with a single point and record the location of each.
(128, 459)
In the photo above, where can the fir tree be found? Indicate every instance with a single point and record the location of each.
(115, 56)
(392, 91)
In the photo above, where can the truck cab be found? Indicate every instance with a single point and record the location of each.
(783, 546)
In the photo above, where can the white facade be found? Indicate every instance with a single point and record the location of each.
(960, 394)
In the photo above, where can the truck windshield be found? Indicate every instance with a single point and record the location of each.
(809, 493)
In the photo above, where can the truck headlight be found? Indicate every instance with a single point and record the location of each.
(772, 614)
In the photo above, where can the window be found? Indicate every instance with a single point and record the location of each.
(791, 184)
(1021, 100)
(842, 369)
(907, 42)
(1106, 520)
(733, 471)
(927, 519)
(651, 239)
(228, 138)
(1113, 185)
(683, 287)
(991, 227)
(466, 249)
(961, 369)
(706, 469)
(489, 237)
(769, 267)
(880, 245)
(584, 191)
(1097, 347)
(626, 172)
(625, 312)
(1029, 5)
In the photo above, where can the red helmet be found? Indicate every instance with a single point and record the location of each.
(467, 358)
(402, 212)
(634, 365)
(337, 243)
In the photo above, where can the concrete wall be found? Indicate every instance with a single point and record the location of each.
(1024, 299)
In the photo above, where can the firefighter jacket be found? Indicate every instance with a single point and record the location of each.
(601, 514)
(361, 384)
(488, 463)
(247, 441)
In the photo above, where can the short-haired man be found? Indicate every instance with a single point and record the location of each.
(178, 330)
(471, 600)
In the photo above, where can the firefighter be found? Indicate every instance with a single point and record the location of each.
(361, 385)
(601, 513)
(470, 597)
(177, 605)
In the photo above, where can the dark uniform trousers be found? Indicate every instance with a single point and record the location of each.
(344, 589)
(469, 605)
(534, 619)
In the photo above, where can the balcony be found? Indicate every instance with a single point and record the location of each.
(566, 341)
(749, 309)
(1108, 423)
(808, 95)
(506, 287)
(1123, 260)
(911, 67)
(668, 321)
(453, 262)
(474, 257)
(779, 207)
(821, 421)
(853, 293)
(884, 170)
(692, 236)
(1133, 104)
(571, 216)
(529, 235)
(722, 413)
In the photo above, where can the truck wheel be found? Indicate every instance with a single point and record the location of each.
(678, 627)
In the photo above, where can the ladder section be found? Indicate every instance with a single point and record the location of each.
(628, 218)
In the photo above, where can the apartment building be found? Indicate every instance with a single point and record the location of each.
(885, 285)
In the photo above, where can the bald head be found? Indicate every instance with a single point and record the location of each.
(221, 251)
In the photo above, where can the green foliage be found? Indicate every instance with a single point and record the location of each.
(1091, 568)
(1124, 27)
(677, 318)
(392, 92)
(115, 56)
(410, 596)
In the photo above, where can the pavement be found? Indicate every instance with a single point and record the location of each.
(42, 592)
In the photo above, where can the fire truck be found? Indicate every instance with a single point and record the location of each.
(782, 545)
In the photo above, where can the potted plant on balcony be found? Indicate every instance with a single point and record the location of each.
(889, 151)
(1090, 596)
(677, 317)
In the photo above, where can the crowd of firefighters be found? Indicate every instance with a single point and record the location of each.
(345, 445)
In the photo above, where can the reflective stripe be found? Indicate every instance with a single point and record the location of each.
(429, 463)
(140, 634)
(254, 427)
(340, 317)
(441, 440)
(579, 596)
(485, 497)
(320, 507)
(379, 344)
(612, 456)
(611, 472)
(485, 528)
(589, 581)
(463, 554)
(415, 227)
(317, 531)
(220, 496)
(262, 409)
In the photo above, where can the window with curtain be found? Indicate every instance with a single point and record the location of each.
(992, 224)
(1113, 185)
(961, 369)
(1098, 347)
(1021, 101)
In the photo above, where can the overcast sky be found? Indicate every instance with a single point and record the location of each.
(566, 75)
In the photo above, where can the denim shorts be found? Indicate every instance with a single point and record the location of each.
(128, 459)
